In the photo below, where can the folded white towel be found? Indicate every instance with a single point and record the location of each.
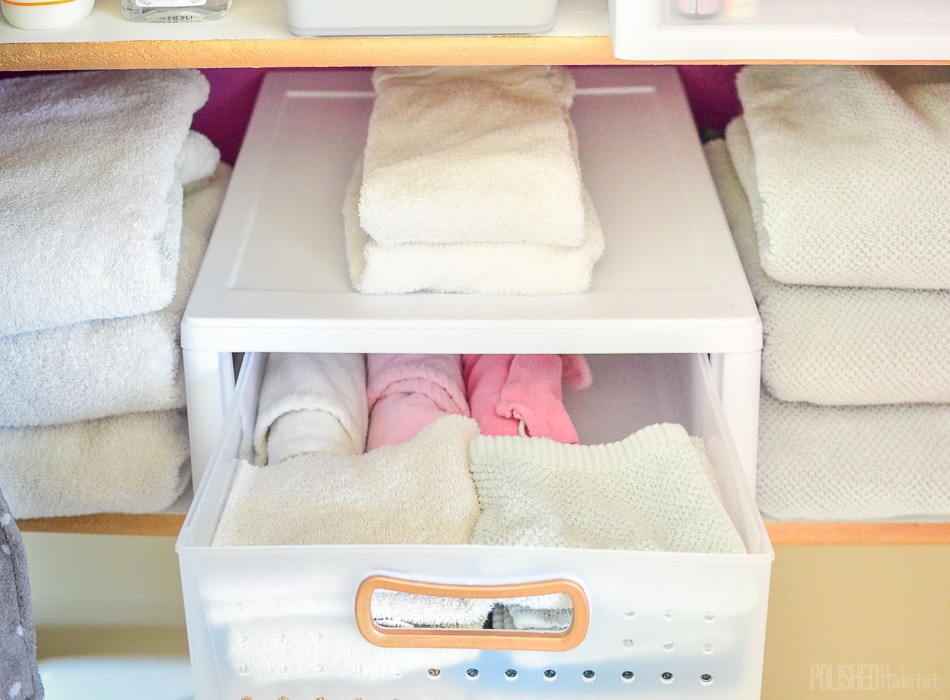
(472, 154)
(89, 193)
(112, 367)
(548, 613)
(417, 492)
(311, 402)
(853, 166)
(646, 492)
(840, 463)
(398, 609)
(478, 268)
(136, 463)
(844, 345)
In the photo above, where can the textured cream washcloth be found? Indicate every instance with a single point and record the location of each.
(834, 345)
(475, 268)
(472, 154)
(853, 171)
(647, 492)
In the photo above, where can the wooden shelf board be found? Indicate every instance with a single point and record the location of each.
(885, 533)
(153, 524)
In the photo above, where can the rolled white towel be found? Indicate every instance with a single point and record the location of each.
(472, 154)
(91, 223)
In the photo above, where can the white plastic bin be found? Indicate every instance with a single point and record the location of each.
(272, 621)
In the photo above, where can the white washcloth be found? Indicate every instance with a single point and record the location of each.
(472, 154)
(835, 346)
(477, 268)
(136, 463)
(647, 492)
(853, 166)
(117, 366)
(89, 197)
(840, 463)
(398, 609)
(417, 492)
(311, 402)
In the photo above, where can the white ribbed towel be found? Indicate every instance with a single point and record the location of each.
(89, 197)
(136, 463)
(417, 492)
(476, 268)
(843, 345)
(472, 154)
(116, 366)
(311, 402)
(647, 492)
(840, 463)
(853, 166)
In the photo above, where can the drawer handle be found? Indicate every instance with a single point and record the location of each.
(561, 640)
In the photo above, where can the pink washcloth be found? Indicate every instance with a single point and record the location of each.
(504, 390)
(407, 392)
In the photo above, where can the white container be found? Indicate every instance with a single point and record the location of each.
(42, 14)
(117, 678)
(271, 621)
(401, 17)
(782, 30)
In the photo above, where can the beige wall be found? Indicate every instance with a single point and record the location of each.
(837, 614)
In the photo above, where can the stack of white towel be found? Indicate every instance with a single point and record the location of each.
(836, 183)
(108, 202)
(470, 182)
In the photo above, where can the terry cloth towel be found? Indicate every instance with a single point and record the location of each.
(311, 402)
(402, 610)
(136, 463)
(19, 673)
(472, 154)
(647, 492)
(418, 492)
(836, 346)
(407, 392)
(112, 367)
(846, 463)
(853, 171)
(89, 195)
(545, 613)
(474, 268)
(522, 394)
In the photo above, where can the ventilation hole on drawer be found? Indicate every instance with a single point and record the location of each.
(320, 670)
(628, 644)
(283, 697)
(511, 674)
(628, 676)
(589, 675)
(396, 672)
(248, 697)
(434, 673)
(706, 679)
(669, 614)
(666, 677)
(283, 670)
(244, 670)
(630, 614)
(472, 673)
(550, 674)
(669, 646)
(709, 617)
(708, 648)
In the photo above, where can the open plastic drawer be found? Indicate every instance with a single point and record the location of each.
(780, 30)
(273, 621)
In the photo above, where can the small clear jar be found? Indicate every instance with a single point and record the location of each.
(173, 11)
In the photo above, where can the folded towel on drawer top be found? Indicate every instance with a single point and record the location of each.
(112, 367)
(647, 492)
(472, 154)
(89, 191)
(853, 171)
(464, 267)
(311, 402)
(835, 345)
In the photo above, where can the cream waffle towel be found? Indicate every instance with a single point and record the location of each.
(136, 463)
(91, 206)
(472, 154)
(839, 463)
(417, 492)
(647, 492)
(853, 171)
(846, 345)
(117, 366)
(311, 403)
(477, 268)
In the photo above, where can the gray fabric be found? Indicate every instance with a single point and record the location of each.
(19, 674)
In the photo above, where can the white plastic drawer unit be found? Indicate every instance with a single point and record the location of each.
(780, 30)
(267, 622)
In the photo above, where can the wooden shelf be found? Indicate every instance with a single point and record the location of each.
(154, 524)
(890, 533)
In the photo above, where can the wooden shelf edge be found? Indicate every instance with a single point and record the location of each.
(152, 524)
(805, 533)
